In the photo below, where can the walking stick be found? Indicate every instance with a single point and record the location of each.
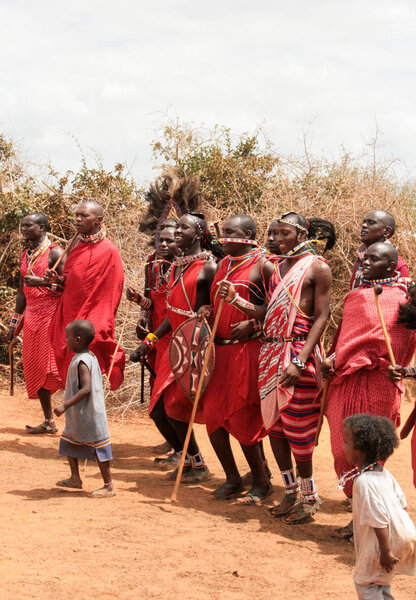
(197, 396)
(378, 290)
(119, 341)
(11, 363)
(142, 382)
(65, 252)
(322, 411)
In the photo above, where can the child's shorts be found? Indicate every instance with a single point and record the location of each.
(87, 450)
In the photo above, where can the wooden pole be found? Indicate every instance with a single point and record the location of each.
(11, 363)
(142, 382)
(197, 396)
(378, 290)
(65, 252)
(322, 411)
(119, 341)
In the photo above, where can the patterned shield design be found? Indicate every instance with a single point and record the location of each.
(187, 351)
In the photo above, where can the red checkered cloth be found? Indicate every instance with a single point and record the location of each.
(39, 365)
(360, 383)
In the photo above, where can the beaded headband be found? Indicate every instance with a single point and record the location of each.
(197, 223)
(296, 225)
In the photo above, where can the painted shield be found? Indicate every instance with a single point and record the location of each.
(187, 353)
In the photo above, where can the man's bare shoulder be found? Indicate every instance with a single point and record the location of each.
(209, 268)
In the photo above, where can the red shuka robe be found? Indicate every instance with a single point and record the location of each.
(232, 400)
(39, 365)
(360, 383)
(177, 404)
(93, 287)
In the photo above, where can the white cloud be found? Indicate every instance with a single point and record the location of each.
(105, 72)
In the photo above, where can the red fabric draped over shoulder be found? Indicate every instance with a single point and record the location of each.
(93, 288)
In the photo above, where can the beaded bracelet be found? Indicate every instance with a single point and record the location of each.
(151, 340)
(145, 302)
(15, 320)
(257, 325)
(241, 304)
(296, 361)
(410, 371)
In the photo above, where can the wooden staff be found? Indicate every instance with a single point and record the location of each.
(142, 382)
(119, 342)
(197, 396)
(65, 252)
(322, 411)
(11, 363)
(378, 290)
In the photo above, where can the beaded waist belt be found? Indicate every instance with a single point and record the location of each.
(225, 341)
(298, 338)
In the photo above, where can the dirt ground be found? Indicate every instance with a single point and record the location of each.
(64, 544)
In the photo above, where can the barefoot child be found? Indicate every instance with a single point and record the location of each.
(384, 535)
(86, 434)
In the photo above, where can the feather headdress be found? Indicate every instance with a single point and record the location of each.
(170, 193)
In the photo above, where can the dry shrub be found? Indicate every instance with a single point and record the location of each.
(241, 174)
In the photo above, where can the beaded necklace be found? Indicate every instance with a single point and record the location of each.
(94, 238)
(343, 480)
(32, 256)
(305, 246)
(185, 262)
(239, 261)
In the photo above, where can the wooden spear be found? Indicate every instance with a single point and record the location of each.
(196, 401)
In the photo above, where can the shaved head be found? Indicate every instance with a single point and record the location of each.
(387, 251)
(384, 217)
(93, 206)
(82, 328)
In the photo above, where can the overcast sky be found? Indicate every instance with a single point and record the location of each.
(105, 72)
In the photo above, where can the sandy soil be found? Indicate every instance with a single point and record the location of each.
(64, 544)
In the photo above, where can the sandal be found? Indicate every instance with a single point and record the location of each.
(44, 427)
(344, 533)
(104, 492)
(228, 490)
(67, 483)
(303, 512)
(171, 462)
(196, 474)
(162, 448)
(284, 507)
(252, 497)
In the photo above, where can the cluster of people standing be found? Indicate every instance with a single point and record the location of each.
(268, 374)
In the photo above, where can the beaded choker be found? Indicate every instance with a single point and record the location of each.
(187, 260)
(343, 480)
(253, 253)
(302, 248)
(94, 238)
(33, 255)
(373, 282)
(238, 241)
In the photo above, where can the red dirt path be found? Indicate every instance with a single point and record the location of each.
(137, 545)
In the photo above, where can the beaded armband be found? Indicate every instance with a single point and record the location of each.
(15, 320)
(296, 361)
(410, 371)
(241, 304)
(151, 340)
(145, 302)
